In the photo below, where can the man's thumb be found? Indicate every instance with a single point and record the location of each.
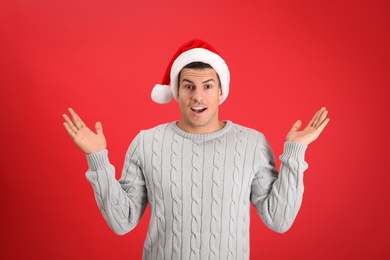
(99, 128)
(297, 125)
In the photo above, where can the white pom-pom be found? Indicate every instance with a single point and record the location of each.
(162, 94)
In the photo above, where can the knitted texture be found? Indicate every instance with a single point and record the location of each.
(199, 188)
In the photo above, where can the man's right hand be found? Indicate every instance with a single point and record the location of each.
(84, 138)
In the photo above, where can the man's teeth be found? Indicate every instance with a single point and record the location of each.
(198, 109)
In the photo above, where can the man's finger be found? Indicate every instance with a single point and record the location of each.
(69, 124)
(99, 128)
(76, 119)
(321, 127)
(69, 130)
(322, 117)
(316, 117)
(323, 124)
(296, 125)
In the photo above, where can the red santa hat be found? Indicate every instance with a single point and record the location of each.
(192, 51)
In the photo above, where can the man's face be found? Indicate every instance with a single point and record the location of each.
(198, 96)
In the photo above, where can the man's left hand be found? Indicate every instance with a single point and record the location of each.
(312, 131)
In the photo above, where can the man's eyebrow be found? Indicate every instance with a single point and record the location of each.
(206, 81)
(189, 81)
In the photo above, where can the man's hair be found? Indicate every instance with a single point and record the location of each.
(198, 65)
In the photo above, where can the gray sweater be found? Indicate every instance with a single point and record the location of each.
(199, 188)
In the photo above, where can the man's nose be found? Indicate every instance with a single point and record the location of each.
(198, 95)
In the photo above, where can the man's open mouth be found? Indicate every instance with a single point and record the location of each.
(198, 109)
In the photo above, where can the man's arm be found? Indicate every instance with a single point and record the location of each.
(278, 197)
(123, 202)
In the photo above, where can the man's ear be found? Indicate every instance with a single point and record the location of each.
(220, 93)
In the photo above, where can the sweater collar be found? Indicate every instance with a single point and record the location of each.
(205, 137)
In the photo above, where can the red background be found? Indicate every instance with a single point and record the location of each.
(287, 59)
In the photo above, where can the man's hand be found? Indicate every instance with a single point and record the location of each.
(85, 139)
(312, 131)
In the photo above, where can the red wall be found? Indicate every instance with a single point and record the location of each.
(287, 59)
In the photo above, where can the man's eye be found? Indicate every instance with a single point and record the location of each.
(188, 87)
(208, 86)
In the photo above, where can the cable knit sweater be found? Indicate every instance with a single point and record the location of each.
(199, 187)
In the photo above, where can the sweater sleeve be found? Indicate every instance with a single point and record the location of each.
(277, 197)
(122, 203)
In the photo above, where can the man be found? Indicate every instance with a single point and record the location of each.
(198, 174)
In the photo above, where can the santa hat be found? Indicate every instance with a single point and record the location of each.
(192, 51)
